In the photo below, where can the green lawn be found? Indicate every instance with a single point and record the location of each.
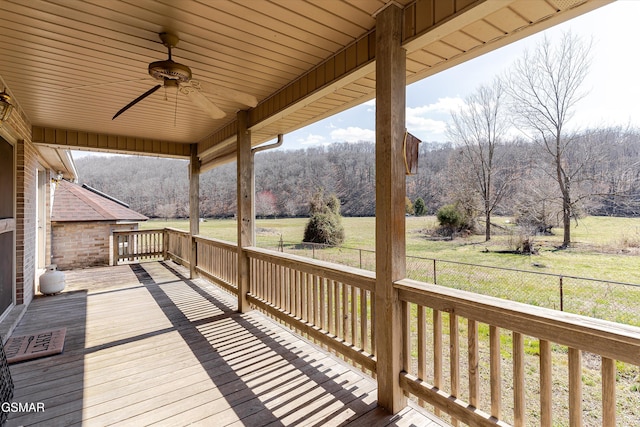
(604, 248)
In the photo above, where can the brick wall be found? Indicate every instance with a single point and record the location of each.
(80, 244)
(83, 244)
(26, 183)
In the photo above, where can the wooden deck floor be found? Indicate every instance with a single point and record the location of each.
(146, 346)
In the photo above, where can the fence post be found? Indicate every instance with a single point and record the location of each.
(360, 251)
(561, 295)
(434, 272)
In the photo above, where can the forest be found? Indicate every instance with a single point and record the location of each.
(606, 182)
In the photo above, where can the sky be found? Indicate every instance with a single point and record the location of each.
(613, 86)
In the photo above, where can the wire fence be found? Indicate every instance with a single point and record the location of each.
(602, 299)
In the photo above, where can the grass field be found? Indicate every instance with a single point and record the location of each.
(604, 248)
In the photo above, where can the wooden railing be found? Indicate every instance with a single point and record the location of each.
(137, 245)
(330, 303)
(476, 359)
(218, 262)
(178, 246)
(496, 330)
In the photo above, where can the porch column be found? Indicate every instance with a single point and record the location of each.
(246, 212)
(194, 206)
(390, 209)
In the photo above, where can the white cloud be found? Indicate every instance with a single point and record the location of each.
(424, 124)
(311, 139)
(443, 105)
(353, 134)
(429, 122)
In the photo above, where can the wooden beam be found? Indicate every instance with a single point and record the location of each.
(390, 211)
(77, 140)
(246, 208)
(194, 207)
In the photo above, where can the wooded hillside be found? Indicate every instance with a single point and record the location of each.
(608, 182)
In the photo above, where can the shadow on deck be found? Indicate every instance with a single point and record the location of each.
(145, 345)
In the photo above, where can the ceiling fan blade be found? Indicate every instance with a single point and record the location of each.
(233, 95)
(105, 84)
(138, 99)
(201, 101)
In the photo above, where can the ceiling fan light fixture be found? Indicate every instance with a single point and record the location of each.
(168, 69)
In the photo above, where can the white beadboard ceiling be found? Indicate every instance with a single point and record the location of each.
(72, 64)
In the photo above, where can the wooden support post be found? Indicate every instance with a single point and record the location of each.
(194, 207)
(246, 215)
(390, 210)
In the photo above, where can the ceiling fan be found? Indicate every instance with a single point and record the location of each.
(175, 75)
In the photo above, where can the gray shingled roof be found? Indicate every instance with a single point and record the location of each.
(72, 203)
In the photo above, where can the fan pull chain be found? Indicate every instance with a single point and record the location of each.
(175, 111)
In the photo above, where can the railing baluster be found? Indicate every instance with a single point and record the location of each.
(518, 380)
(354, 315)
(345, 311)
(406, 339)
(303, 287)
(422, 345)
(298, 294)
(323, 308)
(575, 387)
(474, 373)
(495, 368)
(437, 352)
(454, 358)
(546, 384)
(374, 343)
(330, 306)
(608, 392)
(310, 302)
(364, 321)
(336, 308)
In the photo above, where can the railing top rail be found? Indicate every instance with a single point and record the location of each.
(217, 242)
(176, 230)
(149, 231)
(364, 279)
(614, 340)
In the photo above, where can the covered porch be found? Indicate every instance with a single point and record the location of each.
(146, 345)
(140, 324)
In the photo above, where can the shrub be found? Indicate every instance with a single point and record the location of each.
(323, 228)
(452, 219)
(419, 207)
(325, 225)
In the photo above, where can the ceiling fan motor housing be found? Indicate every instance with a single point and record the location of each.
(168, 69)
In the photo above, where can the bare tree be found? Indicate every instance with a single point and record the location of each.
(478, 130)
(544, 87)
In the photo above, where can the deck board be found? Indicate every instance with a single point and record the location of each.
(146, 346)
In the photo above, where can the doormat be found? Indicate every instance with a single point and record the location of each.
(41, 344)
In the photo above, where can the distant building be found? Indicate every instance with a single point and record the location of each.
(83, 220)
